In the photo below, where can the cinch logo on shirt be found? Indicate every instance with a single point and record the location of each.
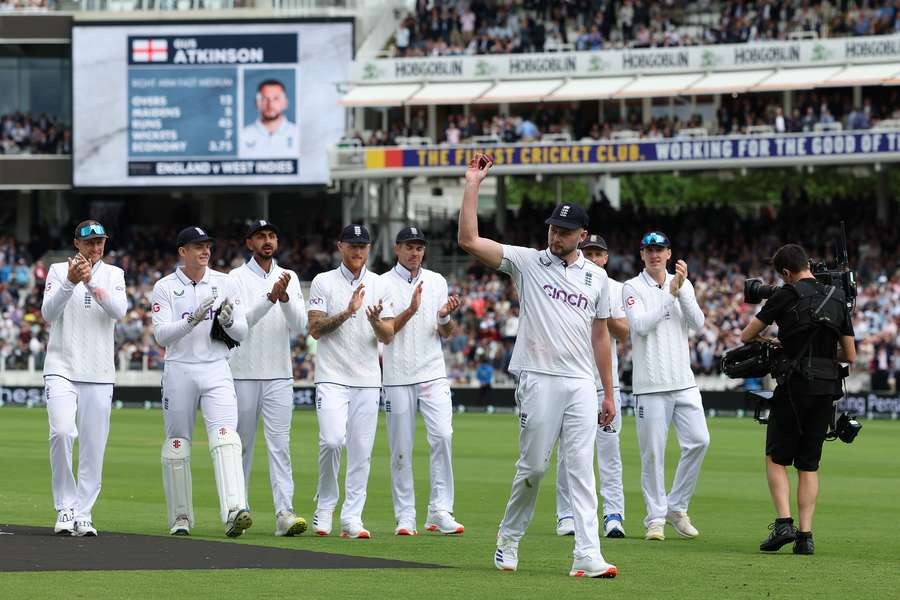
(206, 317)
(578, 300)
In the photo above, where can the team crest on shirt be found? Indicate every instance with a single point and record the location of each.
(523, 420)
(589, 279)
(215, 292)
(87, 299)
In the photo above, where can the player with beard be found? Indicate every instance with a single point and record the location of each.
(272, 135)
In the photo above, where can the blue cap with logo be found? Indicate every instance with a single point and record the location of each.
(411, 234)
(568, 216)
(259, 225)
(593, 241)
(655, 238)
(355, 234)
(193, 235)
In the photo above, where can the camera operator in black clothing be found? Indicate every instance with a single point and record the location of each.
(813, 320)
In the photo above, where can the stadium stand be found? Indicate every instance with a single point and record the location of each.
(23, 133)
(455, 27)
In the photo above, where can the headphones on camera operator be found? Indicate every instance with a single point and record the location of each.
(819, 307)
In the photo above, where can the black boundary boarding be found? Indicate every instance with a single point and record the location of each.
(25, 548)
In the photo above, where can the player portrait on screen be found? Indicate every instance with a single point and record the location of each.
(272, 135)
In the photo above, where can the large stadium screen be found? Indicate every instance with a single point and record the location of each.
(207, 104)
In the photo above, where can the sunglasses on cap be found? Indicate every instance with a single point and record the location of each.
(93, 228)
(654, 239)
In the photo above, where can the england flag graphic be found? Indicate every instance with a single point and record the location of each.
(149, 50)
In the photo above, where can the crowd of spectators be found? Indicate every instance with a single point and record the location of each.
(718, 259)
(23, 133)
(456, 27)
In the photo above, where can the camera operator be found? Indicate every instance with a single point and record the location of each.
(813, 320)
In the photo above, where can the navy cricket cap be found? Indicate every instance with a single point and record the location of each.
(568, 216)
(655, 238)
(593, 241)
(355, 234)
(193, 235)
(259, 225)
(88, 230)
(411, 234)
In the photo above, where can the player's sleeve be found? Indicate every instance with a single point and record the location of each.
(318, 296)
(166, 330)
(389, 298)
(239, 328)
(57, 292)
(603, 309)
(641, 319)
(691, 310)
(616, 307)
(115, 303)
(255, 308)
(514, 259)
(295, 308)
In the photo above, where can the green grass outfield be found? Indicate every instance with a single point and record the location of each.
(856, 526)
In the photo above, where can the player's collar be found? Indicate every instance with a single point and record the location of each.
(406, 274)
(648, 279)
(187, 280)
(254, 266)
(348, 274)
(555, 260)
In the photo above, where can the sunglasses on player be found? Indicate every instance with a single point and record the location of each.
(92, 229)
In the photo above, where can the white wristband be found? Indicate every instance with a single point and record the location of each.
(443, 320)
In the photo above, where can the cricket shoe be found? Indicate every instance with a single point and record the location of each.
(406, 528)
(593, 567)
(656, 530)
(84, 529)
(506, 558)
(65, 522)
(322, 522)
(681, 522)
(238, 520)
(612, 526)
(565, 526)
(288, 524)
(182, 526)
(443, 522)
(354, 531)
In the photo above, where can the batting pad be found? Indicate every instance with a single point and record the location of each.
(225, 448)
(176, 463)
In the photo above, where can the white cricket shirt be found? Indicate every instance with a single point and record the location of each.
(616, 311)
(660, 327)
(557, 306)
(349, 354)
(176, 297)
(266, 351)
(415, 355)
(257, 142)
(82, 329)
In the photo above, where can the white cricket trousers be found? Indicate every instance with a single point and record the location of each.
(185, 386)
(654, 414)
(348, 417)
(609, 467)
(90, 404)
(273, 400)
(555, 408)
(433, 401)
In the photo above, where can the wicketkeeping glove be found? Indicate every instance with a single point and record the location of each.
(201, 312)
(223, 315)
(223, 318)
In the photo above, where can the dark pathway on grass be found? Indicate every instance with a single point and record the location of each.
(37, 549)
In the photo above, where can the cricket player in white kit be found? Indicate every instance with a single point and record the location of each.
(609, 456)
(348, 377)
(661, 308)
(415, 376)
(83, 299)
(562, 336)
(197, 373)
(261, 366)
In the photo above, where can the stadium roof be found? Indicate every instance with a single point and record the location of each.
(729, 82)
(380, 95)
(796, 79)
(864, 75)
(590, 89)
(520, 90)
(658, 85)
(464, 92)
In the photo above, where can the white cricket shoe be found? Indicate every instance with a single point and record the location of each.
(288, 524)
(354, 531)
(84, 529)
(322, 522)
(593, 567)
(612, 526)
(506, 558)
(681, 522)
(656, 531)
(238, 520)
(565, 526)
(182, 526)
(443, 522)
(406, 527)
(65, 522)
